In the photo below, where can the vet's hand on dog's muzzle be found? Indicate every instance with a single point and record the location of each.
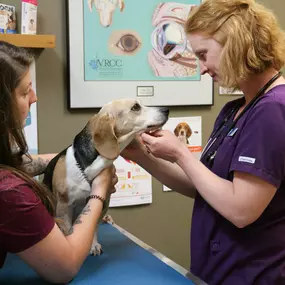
(163, 144)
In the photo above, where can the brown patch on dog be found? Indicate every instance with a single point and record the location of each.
(61, 192)
(58, 181)
(102, 128)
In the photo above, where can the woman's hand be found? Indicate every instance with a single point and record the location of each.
(104, 183)
(163, 144)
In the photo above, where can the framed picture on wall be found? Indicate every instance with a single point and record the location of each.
(116, 50)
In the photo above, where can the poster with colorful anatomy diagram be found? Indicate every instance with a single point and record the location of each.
(134, 49)
(134, 186)
(156, 49)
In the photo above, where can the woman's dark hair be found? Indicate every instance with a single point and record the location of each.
(14, 65)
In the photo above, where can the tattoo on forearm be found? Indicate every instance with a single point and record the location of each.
(69, 232)
(34, 167)
(85, 211)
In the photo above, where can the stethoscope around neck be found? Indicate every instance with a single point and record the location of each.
(226, 125)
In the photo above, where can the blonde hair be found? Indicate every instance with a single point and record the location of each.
(251, 37)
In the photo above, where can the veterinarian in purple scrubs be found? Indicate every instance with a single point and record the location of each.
(27, 225)
(238, 223)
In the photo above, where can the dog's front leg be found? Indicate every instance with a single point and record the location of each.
(96, 248)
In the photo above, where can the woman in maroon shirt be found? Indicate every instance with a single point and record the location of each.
(27, 225)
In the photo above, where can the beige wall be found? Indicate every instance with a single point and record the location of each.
(165, 224)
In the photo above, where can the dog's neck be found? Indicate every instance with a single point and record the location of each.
(86, 155)
(84, 151)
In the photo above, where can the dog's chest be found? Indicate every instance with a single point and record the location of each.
(77, 185)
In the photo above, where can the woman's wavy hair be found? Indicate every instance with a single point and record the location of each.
(251, 37)
(14, 65)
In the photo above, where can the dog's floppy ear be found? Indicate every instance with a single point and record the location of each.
(104, 137)
(176, 130)
(189, 131)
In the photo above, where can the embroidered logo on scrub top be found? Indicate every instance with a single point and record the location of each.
(246, 159)
(232, 132)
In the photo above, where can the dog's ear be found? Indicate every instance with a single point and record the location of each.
(176, 130)
(104, 137)
(189, 131)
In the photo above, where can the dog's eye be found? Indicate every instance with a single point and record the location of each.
(136, 107)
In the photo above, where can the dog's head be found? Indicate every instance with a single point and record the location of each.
(118, 122)
(183, 130)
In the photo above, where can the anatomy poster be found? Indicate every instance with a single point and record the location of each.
(137, 40)
(134, 186)
(31, 126)
(189, 131)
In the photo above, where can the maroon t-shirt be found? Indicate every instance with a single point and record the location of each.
(24, 220)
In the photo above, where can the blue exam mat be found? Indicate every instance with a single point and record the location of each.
(123, 262)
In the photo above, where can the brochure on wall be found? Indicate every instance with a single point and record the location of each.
(31, 127)
(134, 186)
(189, 131)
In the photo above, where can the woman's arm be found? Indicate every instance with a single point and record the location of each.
(37, 165)
(241, 201)
(169, 174)
(58, 258)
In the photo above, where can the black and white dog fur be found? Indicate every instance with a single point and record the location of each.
(107, 133)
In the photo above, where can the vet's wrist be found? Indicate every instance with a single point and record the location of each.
(181, 154)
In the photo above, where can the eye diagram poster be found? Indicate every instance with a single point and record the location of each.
(189, 131)
(132, 40)
(134, 186)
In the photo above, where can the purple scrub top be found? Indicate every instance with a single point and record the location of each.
(221, 253)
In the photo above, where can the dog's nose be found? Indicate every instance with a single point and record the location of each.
(165, 110)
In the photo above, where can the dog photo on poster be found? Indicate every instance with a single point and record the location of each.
(189, 131)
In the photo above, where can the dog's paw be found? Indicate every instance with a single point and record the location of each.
(96, 249)
(108, 219)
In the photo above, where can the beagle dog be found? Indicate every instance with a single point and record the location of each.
(70, 174)
(106, 9)
(183, 132)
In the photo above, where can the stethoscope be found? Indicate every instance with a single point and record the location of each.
(226, 125)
